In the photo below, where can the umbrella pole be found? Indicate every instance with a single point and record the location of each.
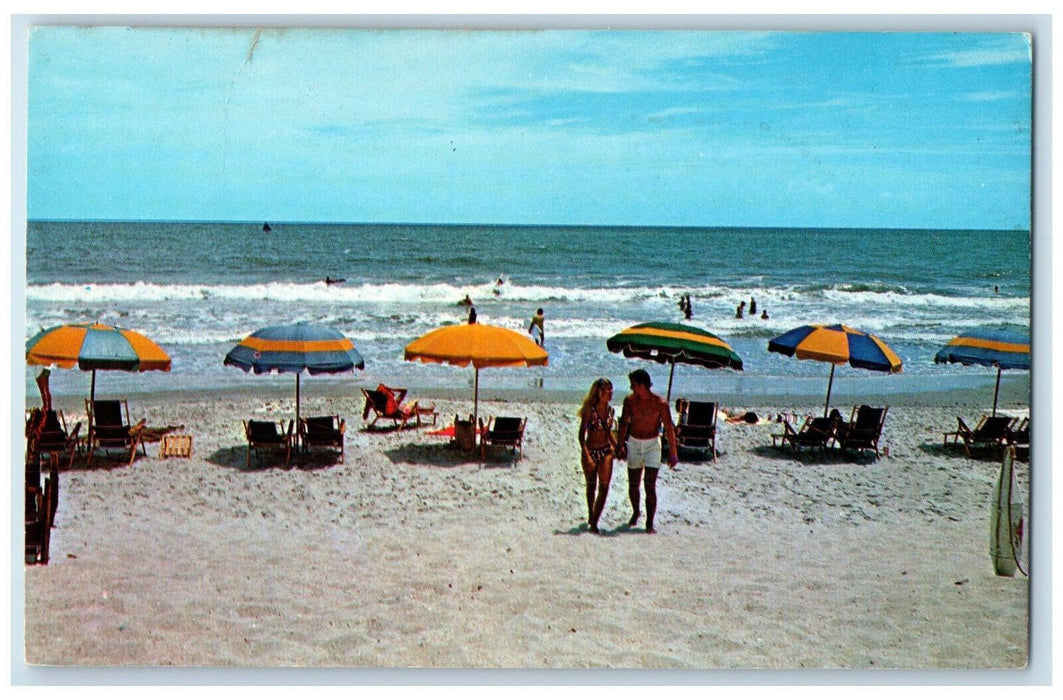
(996, 392)
(830, 383)
(92, 390)
(671, 373)
(475, 400)
(296, 403)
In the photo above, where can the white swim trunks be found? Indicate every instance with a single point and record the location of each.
(643, 453)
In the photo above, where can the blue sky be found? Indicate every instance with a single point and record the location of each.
(699, 128)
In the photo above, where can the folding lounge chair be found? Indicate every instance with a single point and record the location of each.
(108, 430)
(323, 431)
(696, 428)
(53, 437)
(1019, 435)
(863, 430)
(504, 431)
(815, 432)
(267, 435)
(990, 431)
(386, 402)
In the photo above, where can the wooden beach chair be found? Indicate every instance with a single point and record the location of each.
(42, 501)
(990, 431)
(267, 435)
(503, 431)
(387, 402)
(863, 430)
(1019, 438)
(818, 432)
(696, 428)
(53, 437)
(109, 429)
(323, 432)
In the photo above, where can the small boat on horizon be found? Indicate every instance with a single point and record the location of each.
(266, 227)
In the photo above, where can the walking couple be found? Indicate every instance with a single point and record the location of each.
(638, 441)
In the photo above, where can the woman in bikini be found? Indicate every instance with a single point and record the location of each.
(597, 447)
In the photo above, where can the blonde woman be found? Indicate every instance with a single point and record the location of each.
(597, 447)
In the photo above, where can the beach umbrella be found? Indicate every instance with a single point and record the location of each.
(95, 346)
(294, 348)
(1002, 348)
(838, 345)
(479, 344)
(674, 342)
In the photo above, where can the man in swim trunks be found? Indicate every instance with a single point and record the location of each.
(537, 321)
(639, 442)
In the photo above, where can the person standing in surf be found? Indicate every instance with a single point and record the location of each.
(597, 448)
(639, 442)
(537, 322)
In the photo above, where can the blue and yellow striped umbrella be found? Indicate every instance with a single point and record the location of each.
(839, 345)
(1002, 348)
(294, 348)
(93, 346)
(662, 342)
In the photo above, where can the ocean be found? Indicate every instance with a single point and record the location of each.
(197, 288)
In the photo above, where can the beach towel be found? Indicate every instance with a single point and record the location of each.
(391, 406)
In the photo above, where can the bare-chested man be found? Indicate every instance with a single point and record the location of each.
(639, 442)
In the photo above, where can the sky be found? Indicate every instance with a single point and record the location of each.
(644, 128)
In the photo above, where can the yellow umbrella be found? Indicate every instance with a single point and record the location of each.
(480, 345)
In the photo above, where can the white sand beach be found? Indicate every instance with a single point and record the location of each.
(412, 554)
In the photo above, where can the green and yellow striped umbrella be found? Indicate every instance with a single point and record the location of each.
(674, 342)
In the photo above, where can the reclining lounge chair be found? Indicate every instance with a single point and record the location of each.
(815, 432)
(267, 435)
(505, 431)
(323, 431)
(696, 428)
(110, 430)
(863, 430)
(387, 402)
(990, 431)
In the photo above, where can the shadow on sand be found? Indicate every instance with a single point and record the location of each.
(235, 457)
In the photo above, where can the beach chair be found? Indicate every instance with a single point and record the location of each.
(696, 428)
(267, 435)
(110, 430)
(1019, 435)
(387, 402)
(503, 431)
(990, 431)
(863, 430)
(1019, 438)
(323, 431)
(815, 432)
(42, 500)
(53, 437)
